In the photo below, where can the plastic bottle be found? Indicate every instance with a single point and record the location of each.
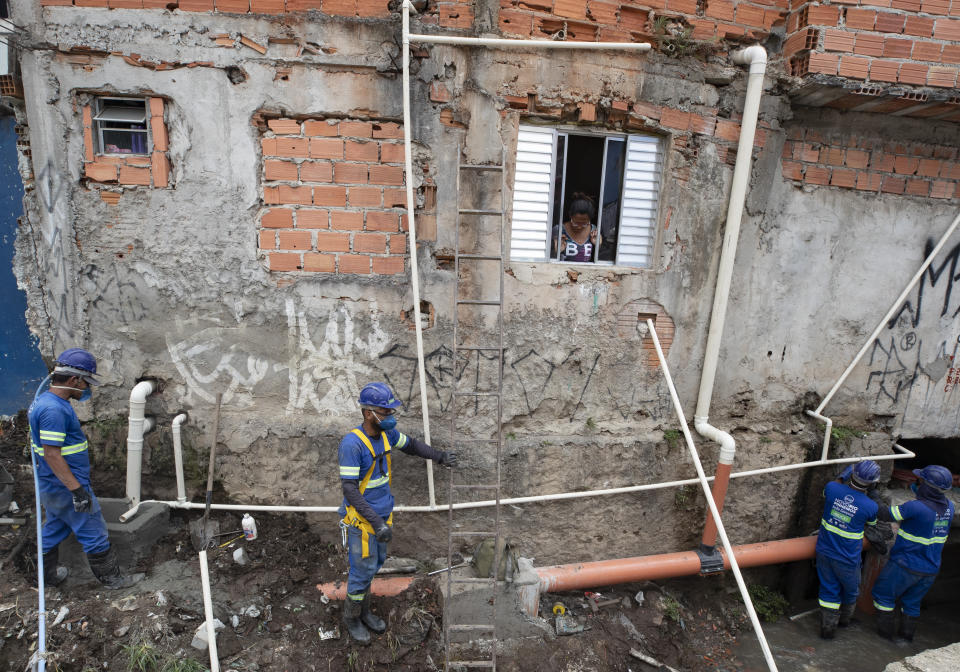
(249, 527)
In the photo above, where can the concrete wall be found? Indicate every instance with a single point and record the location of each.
(176, 282)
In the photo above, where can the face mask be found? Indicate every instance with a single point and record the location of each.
(387, 423)
(84, 395)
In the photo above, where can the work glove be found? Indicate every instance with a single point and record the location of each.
(874, 494)
(384, 534)
(81, 500)
(448, 459)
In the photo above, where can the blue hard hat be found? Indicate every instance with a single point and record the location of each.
(77, 362)
(866, 473)
(379, 395)
(937, 476)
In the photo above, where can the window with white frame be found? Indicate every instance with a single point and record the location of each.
(120, 126)
(556, 168)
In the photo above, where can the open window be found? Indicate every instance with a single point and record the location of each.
(619, 173)
(120, 126)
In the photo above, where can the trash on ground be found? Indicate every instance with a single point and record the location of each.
(333, 633)
(567, 625)
(200, 638)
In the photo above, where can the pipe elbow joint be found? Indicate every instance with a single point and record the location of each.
(728, 446)
(755, 56)
(179, 419)
(142, 390)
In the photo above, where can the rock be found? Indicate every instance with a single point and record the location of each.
(297, 575)
(121, 631)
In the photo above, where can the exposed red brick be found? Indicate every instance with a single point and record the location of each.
(330, 196)
(939, 76)
(90, 3)
(361, 151)
(323, 128)
(387, 130)
(284, 261)
(289, 239)
(365, 197)
(941, 7)
(601, 12)
(951, 53)
(391, 152)
(893, 185)
(929, 167)
(927, 51)
(381, 221)
(792, 170)
(838, 40)
(319, 263)
(869, 181)
(942, 189)
(271, 195)
(284, 126)
(920, 26)
(277, 218)
(339, 7)
(678, 119)
(101, 171)
(294, 195)
(389, 175)
(705, 125)
(266, 6)
(316, 171)
(56, 3)
(288, 147)
(373, 9)
(267, 240)
(280, 170)
(856, 158)
(843, 178)
(861, 19)
(918, 187)
(832, 156)
(906, 5)
(346, 220)
(854, 66)
(884, 71)
(817, 175)
(398, 243)
(370, 242)
(897, 48)
(727, 130)
(356, 129)
(914, 73)
(821, 15)
(350, 173)
(586, 111)
(456, 16)
(824, 63)
(388, 265)
(426, 227)
(134, 175)
(888, 22)
(647, 110)
(235, 6)
(868, 45)
(634, 18)
(613, 35)
(333, 242)
(750, 15)
(947, 29)
(310, 218)
(516, 23)
(394, 198)
(354, 263)
(571, 9)
(326, 148)
(125, 4)
(439, 93)
(160, 170)
(950, 170)
(702, 30)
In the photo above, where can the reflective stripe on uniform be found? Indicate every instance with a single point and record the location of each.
(880, 607)
(356, 598)
(377, 482)
(926, 541)
(829, 605)
(402, 441)
(895, 510)
(64, 450)
(839, 532)
(52, 437)
(355, 519)
(349, 472)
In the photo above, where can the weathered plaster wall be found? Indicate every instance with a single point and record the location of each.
(170, 282)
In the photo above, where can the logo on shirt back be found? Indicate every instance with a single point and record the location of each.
(848, 499)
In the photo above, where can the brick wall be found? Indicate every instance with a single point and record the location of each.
(868, 164)
(129, 170)
(915, 42)
(333, 196)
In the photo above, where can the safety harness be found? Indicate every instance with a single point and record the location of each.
(355, 519)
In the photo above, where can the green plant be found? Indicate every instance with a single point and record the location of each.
(671, 608)
(766, 439)
(141, 657)
(672, 36)
(770, 604)
(591, 424)
(672, 437)
(511, 435)
(352, 659)
(183, 665)
(844, 435)
(683, 496)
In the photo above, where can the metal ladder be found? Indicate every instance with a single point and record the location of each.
(468, 444)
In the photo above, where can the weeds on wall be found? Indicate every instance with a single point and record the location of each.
(769, 604)
(672, 437)
(845, 435)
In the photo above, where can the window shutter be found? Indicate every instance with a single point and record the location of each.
(641, 189)
(530, 228)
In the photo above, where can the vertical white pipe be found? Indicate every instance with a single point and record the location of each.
(178, 455)
(135, 431)
(704, 483)
(414, 270)
(208, 613)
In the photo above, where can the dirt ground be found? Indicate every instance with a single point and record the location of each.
(272, 610)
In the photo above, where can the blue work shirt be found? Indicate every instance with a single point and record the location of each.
(846, 512)
(921, 537)
(355, 461)
(53, 422)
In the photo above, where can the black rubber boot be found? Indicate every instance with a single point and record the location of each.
(53, 574)
(885, 624)
(828, 622)
(352, 622)
(106, 567)
(908, 627)
(846, 614)
(370, 619)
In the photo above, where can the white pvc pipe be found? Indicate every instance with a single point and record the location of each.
(178, 455)
(135, 432)
(524, 44)
(414, 269)
(756, 58)
(208, 614)
(897, 305)
(705, 485)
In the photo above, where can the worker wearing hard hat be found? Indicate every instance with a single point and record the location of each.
(847, 511)
(367, 508)
(915, 558)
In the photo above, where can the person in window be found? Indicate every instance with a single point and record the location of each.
(578, 237)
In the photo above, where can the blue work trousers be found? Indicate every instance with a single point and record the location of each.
(899, 583)
(362, 569)
(839, 582)
(90, 528)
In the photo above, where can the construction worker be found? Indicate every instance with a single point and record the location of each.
(367, 508)
(846, 512)
(915, 558)
(63, 473)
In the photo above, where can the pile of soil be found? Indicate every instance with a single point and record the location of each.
(273, 613)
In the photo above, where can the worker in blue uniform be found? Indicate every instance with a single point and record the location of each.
(367, 508)
(63, 473)
(915, 558)
(848, 509)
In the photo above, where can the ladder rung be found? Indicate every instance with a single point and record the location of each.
(481, 257)
(474, 581)
(476, 302)
(476, 394)
(472, 348)
(481, 212)
(473, 534)
(471, 663)
(481, 627)
(471, 166)
(475, 487)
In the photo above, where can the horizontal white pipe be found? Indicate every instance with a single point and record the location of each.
(208, 613)
(897, 305)
(903, 454)
(135, 432)
(178, 455)
(537, 44)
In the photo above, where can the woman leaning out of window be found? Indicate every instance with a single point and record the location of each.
(578, 238)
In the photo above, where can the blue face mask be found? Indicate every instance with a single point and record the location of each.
(387, 423)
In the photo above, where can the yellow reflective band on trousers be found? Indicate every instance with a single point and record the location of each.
(839, 532)
(829, 605)
(880, 607)
(355, 519)
(64, 450)
(925, 541)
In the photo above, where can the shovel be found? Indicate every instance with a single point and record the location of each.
(203, 530)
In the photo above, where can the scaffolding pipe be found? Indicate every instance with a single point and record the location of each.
(897, 304)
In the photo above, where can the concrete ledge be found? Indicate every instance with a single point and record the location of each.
(946, 659)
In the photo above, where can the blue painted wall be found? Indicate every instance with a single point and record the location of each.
(21, 368)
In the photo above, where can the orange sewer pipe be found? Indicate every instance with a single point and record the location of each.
(609, 572)
(720, 484)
